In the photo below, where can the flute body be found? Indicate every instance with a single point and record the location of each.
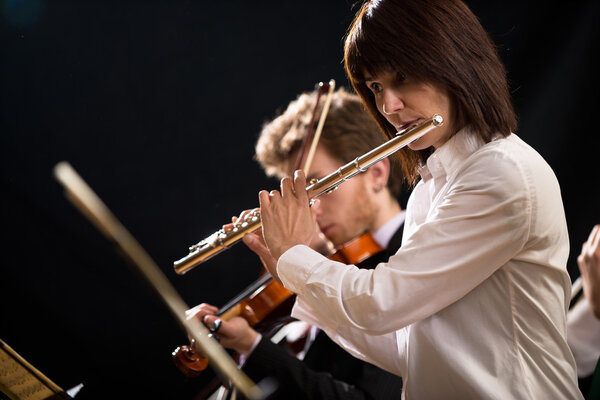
(225, 238)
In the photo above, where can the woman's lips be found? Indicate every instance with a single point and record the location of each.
(407, 124)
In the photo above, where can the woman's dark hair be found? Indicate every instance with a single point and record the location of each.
(434, 41)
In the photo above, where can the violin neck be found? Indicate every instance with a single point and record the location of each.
(263, 280)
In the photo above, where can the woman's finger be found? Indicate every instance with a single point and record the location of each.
(300, 186)
(287, 188)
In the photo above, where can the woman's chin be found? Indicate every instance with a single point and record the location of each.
(418, 144)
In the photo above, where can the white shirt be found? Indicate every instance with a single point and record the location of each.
(583, 330)
(294, 330)
(384, 234)
(473, 304)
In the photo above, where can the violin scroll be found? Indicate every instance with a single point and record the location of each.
(189, 361)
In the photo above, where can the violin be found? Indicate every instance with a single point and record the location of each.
(266, 304)
(356, 250)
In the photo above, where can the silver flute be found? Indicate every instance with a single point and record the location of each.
(231, 234)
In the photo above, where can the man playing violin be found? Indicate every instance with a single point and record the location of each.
(366, 204)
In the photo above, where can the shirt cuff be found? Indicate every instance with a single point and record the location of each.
(244, 357)
(295, 265)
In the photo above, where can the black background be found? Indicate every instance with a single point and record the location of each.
(157, 105)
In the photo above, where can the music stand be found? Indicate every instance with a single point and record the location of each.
(20, 380)
(90, 205)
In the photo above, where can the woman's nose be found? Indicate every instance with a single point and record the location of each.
(392, 102)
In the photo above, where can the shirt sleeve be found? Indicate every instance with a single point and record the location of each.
(379, 350)
(480, 222)
(583, 337)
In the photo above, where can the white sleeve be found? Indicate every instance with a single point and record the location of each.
(479, 225)
(583, 337)
(379, 350)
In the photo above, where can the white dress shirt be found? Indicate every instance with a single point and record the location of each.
(384, 234)
(294, 330)
(473, 304)
(583, 336)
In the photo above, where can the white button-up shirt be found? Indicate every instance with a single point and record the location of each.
(583, 336)
(473, 304)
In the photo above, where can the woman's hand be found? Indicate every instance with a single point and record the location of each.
(287, 218)
(255, 241)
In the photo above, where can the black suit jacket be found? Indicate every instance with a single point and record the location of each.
(327, 371)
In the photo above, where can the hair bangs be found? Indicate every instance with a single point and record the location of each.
(364, 53)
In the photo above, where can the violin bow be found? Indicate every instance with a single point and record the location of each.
(311, 138)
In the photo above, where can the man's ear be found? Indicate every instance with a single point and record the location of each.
(379, 174)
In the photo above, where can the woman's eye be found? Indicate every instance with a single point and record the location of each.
(375, 87)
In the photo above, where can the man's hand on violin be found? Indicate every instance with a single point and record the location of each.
(233, 334)
(287, 218)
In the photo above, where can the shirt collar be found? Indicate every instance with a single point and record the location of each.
(446, 159)
(384, 234)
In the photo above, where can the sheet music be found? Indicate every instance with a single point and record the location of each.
(20, 380)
